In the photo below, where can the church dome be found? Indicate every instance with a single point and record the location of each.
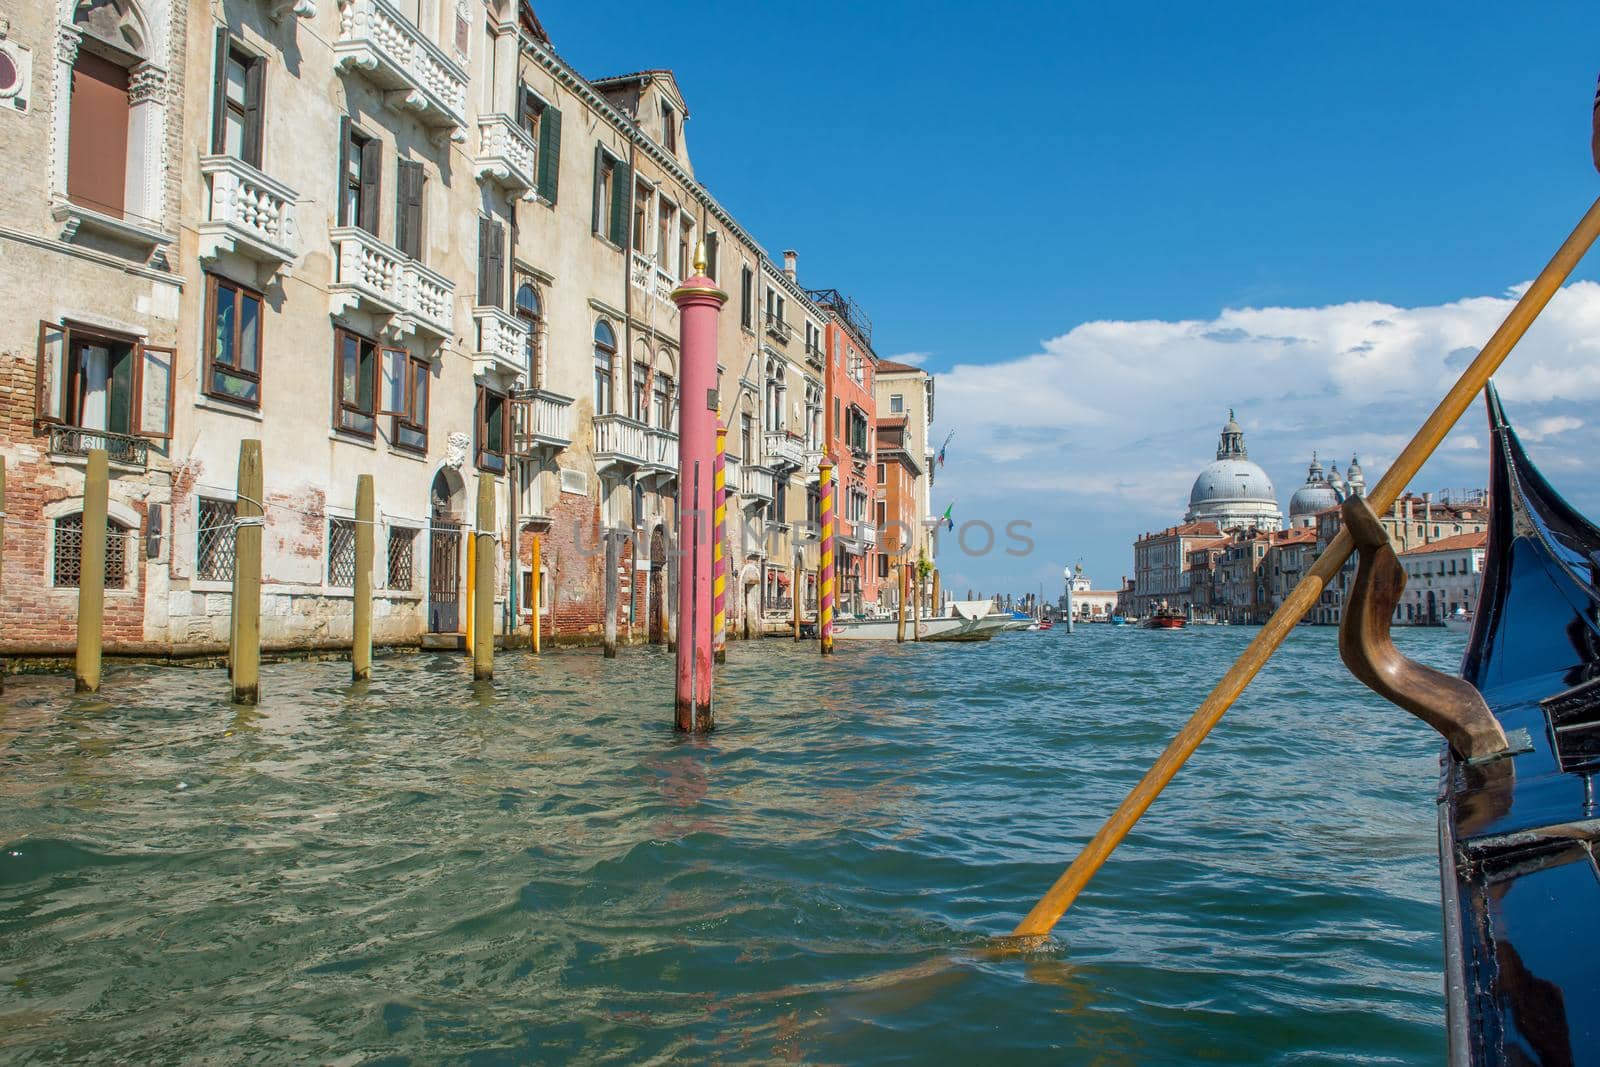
(1230, 480)
(1317, 494)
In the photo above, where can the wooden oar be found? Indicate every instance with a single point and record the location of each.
(1042, 919)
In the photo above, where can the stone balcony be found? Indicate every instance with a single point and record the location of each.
(731, 468)
(619, 441)
(661, 452)
(502, 342)
(757, 485)
(507, 156)
(374, 278)
(784, 450)
(416, 74)
(779, 330)
(248, 214)
(540, 420)
(651, 279)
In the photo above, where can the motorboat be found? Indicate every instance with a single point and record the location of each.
(1166, 619)
(968, 620)
(1459, 621)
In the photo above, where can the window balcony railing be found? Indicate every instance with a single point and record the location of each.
(247, 213)
(502, 341)
(650, 278)
(619, 441)
(779, 329)
(785, 450)
(540, 419)
(373, 277)
(394, 55)
(661, 451)
(757, 485)
(78, 441)
(730, 473)
(507, 155)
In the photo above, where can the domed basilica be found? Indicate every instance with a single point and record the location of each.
(1234, 492)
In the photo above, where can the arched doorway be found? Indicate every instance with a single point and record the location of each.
(444, 552)
(1433, 609)
(657, 599)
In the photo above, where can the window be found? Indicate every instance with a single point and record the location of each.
(746, 282)
(685, 246)
(711, 256)
(402, 543)
(528, 311)
(342, 553)
(641, 382)
(813, 506)
(491, 263)
(613, 188)
(605, 351)
(236, 102)
(641, 217)
(666, 217)
(355, 394)
(214, 540)
(103, 382)
(669, 127)
(747, 438)
(897, 403)
(542, 124)
(360, 158)
(883, 473)
(97, 146)
(492, 414)
(69, 552)
(662, 413)
(233, 343)
(407, 379)
(411, 180)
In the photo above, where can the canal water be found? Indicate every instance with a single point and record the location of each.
(541, 872)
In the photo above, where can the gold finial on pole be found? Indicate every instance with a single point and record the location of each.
(700, 256)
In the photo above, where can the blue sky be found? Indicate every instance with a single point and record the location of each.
(988, 179)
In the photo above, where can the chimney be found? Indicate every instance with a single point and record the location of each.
(790, 259)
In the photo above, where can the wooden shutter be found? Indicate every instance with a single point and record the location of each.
(152, 409)
(621, 203)
(483, 258)
(549, 154)
(344, 171)
(371, 184)
(497, 265)
(219, 92)
(598, 224)
(50, 382)
(410, 179)
(253, 82)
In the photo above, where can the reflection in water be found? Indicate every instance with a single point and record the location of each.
(540, 869)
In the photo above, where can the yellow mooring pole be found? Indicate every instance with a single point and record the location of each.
(483, 584)
(245, 656)
(361, 624)
(92, 572)
(533, 595)
(1042, 919)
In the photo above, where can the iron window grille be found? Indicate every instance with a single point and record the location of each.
(402, 542)
(69, 552)
(342, 553)
(214, 541)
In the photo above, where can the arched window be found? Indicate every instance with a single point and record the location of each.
(605, 352)
(528, 310)
(68, 562)
(775, 421)
(639, 379)
(104, 146)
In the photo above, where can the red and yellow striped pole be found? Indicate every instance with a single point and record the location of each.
(825, 589)
(719, 562)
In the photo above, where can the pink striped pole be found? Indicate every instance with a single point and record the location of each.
(719, 564)
(825, 592)
(699, 303)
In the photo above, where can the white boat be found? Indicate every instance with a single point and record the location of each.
(1460, 622)
(969, 620)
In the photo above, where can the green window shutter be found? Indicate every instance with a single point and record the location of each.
(219, 106)
(549, 154)
(254, 75)
(597, 224)
(344, 170)
(621, 204)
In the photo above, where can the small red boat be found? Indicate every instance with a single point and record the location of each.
(1167, 619)
(1045, 623)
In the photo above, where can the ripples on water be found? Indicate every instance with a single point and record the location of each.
(542, 872)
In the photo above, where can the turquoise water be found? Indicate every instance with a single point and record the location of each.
(542, 872)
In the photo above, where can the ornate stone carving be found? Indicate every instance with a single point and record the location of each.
(456, 446)
(147, 85)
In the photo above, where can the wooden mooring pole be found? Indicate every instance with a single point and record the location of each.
(900, 625)
(483, 583)
(611, 594)
(825, 580)
(361, 626)
(245, 656)
(534, 594)
(92, 572)
(2, 549)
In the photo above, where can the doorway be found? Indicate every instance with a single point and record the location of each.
(657, 599)
(444, 555)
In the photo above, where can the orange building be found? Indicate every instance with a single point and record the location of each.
(897, 511)
(851, 413)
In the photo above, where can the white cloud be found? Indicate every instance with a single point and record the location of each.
(1098, 435)
(911, 359)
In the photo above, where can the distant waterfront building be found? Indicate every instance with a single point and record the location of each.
(1442, 578)
(1161, 565)
(1088, 603)
(1232, 491)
